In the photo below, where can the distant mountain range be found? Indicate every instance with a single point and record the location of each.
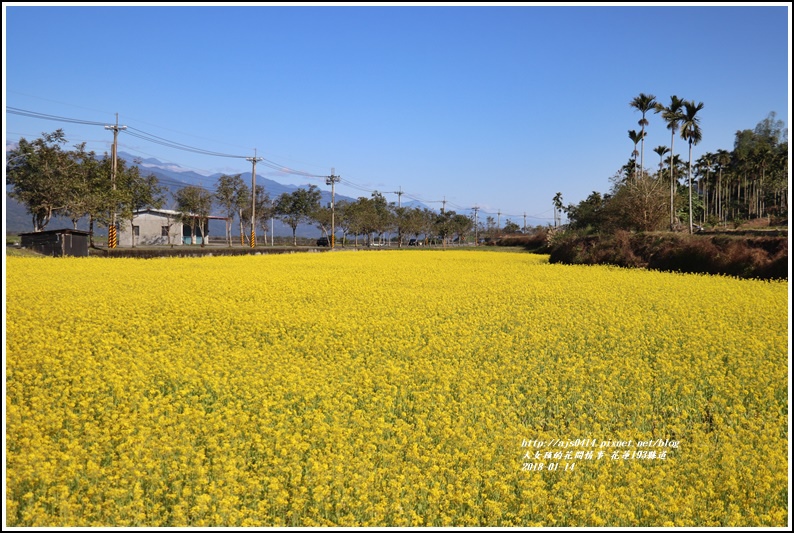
(173, 177)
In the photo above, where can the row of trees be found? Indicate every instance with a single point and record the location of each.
(53, 181)
(750, 181)
(370, 217)
(373, 216)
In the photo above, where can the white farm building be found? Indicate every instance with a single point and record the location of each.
(160, 226)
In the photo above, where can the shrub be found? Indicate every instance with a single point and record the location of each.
(758, 257)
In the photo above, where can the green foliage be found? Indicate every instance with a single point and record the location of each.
(589, 213)
(749, 182)
(226, 191)
(296, 207)
(194, 204)
(39, 173)
(52, 181)
(511, 227)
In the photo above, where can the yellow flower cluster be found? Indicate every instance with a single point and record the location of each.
(391, 388)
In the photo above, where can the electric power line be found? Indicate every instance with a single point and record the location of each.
(270, 164)
(179, 146)
(33, 114)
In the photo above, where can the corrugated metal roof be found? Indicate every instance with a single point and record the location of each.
(171, 212)
(54, 231)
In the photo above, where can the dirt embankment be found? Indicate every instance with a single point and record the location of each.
(745, 255)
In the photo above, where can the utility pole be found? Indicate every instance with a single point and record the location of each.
(399, 195)
(525, 221)
(112, 239)
(331, 180)
(476, 240)
(443, 205)
(253, 196)
(498, 221)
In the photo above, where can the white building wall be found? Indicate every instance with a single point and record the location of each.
(150, 230)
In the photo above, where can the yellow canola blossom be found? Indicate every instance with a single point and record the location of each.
(391, 388)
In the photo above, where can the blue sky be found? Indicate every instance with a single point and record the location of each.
(495, 106)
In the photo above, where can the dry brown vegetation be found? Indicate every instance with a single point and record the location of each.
(741, 255)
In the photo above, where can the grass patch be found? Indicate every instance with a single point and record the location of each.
(12, 251)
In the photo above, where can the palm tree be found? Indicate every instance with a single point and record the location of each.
(672, 115)
(660, 151)
(690, 131)
(723, 160)
(557, 208)
(643, 103)
(703, 167)
(636, 138)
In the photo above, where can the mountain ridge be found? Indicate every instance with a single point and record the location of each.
(173, 177)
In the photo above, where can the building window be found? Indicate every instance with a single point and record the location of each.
(164, 231)
(136, 230)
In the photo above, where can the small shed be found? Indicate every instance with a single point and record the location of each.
(151, 227)
(161, 226)
(57, 242)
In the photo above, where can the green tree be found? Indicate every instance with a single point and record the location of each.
(264, 210)
(348, 221)
(194, 204)
(511, 227)
(690, 132)
(635, 137)
(760, 167)
(428, 224)
(723, 159)
(401, 217)
(643, 103)
(170, 220)
(322, 218)
(672, 115)
(39, 172)
(297, 207)
(661, 151)
(490, 229)
(74, 205)
(94, 186)
(462, 225)
(137, 192)
(779, 179)
(413, 222)
(226, 191)
(557, 208)
(589, 214)
(703, 170)
(383, 217)
(444, 226)
(372, 215)
(88, 191)
(242, 204)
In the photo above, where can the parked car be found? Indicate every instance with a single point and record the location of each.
(414, 242)
(323, 241)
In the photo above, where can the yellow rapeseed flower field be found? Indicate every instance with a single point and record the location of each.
(391, 388)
